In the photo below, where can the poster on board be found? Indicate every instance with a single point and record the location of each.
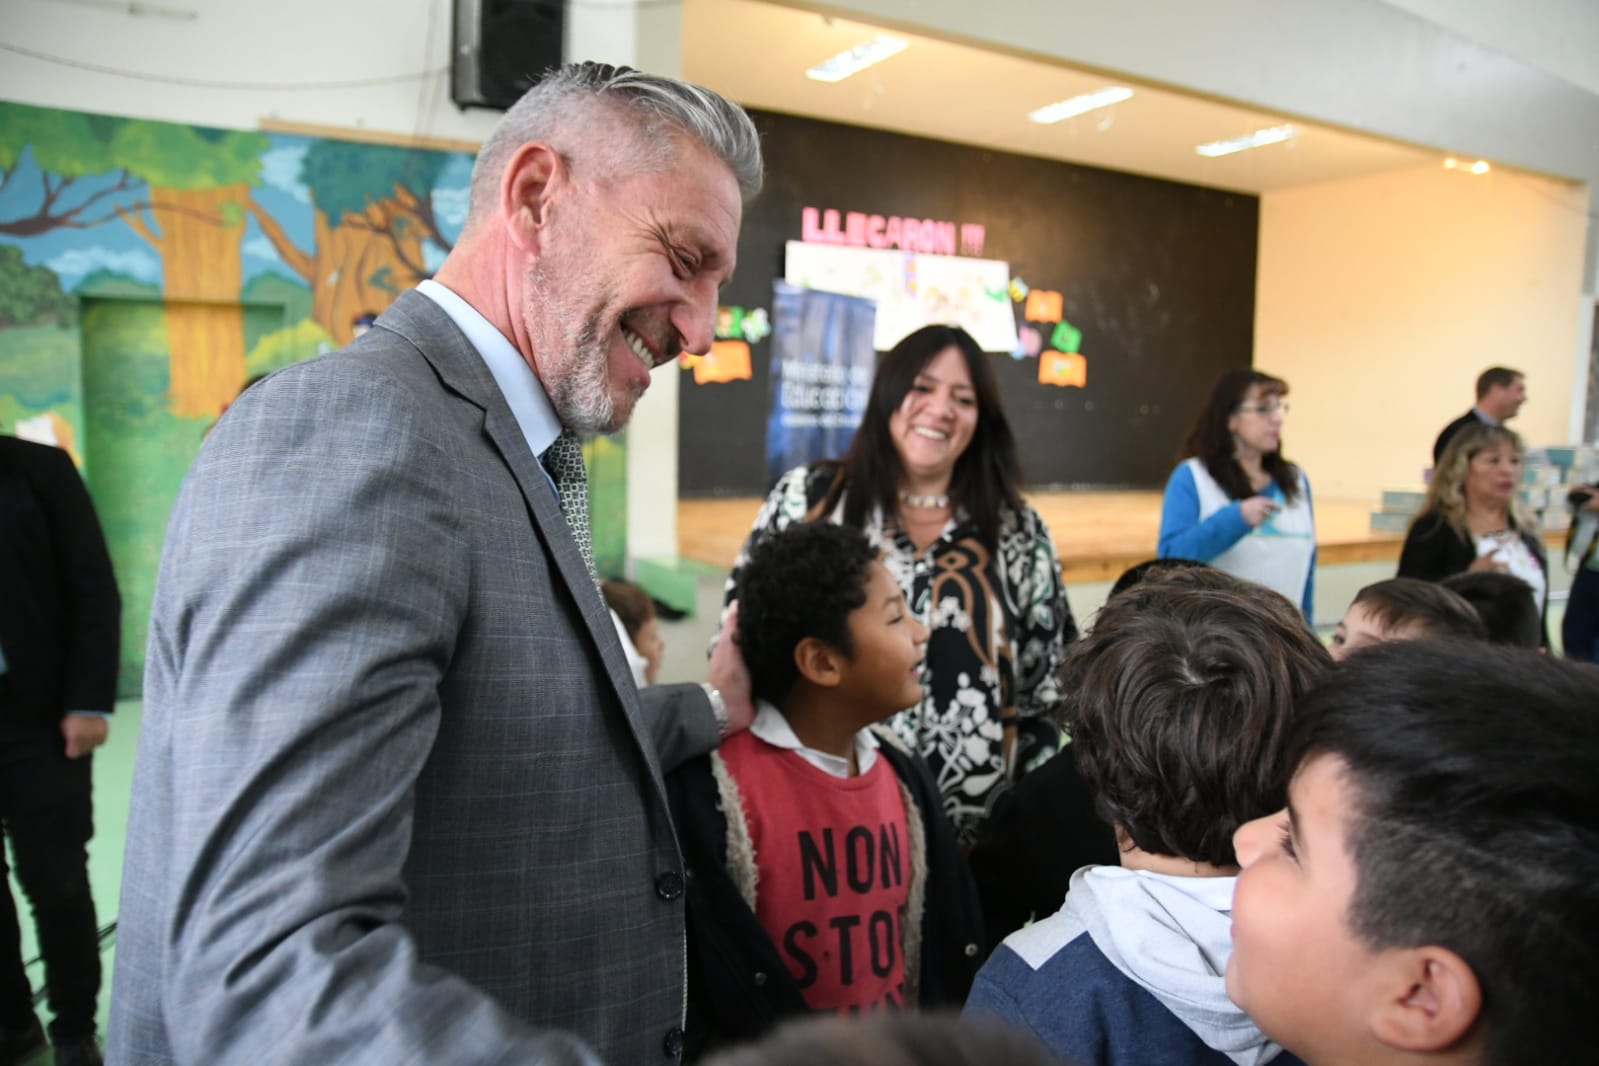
(822, 364)
(912, 290)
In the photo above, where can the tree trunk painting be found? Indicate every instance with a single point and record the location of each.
(197, 233)
(359, 265)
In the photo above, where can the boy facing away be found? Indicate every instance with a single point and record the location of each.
(823, 873)
(1430, 894)
(1178, 702)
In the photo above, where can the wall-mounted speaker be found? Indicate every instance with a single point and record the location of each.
(501, 47)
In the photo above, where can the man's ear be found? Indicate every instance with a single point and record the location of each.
(1432, 1003)
(532, 177)
(818, 662)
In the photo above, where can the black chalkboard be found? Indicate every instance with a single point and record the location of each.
(1158, 276)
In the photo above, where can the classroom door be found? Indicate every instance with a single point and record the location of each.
(136, 450)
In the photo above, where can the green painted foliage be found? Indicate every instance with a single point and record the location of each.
(39, 369)
(69, 144)
(344, 178)
(290, 345)
(275, 289)
(189, 157)
(30, 295)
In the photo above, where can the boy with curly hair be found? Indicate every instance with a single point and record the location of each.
(824, 874)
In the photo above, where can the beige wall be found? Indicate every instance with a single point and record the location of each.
(1381, 298)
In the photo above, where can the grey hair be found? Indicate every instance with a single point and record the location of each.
(562, 107)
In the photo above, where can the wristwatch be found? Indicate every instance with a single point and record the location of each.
(718, 707)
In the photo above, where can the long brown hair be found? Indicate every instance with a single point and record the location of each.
(986, 475)
(1211, 442)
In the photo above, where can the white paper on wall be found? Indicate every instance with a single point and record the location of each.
(912, 290)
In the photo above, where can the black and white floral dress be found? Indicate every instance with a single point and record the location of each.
(999, 625)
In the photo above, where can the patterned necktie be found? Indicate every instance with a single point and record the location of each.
(564, 461)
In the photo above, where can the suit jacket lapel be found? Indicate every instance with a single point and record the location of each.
(463, 371)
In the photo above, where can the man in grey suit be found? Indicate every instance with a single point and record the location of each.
(397, 798)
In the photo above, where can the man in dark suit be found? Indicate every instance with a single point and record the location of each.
(60, 619)
(1500, 394)
(397, 797)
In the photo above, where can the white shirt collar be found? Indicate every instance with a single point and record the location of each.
(773, 728)
(518, 383)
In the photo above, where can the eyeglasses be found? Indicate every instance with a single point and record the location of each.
(1267, 409)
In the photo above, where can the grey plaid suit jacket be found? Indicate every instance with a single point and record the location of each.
(396, 798)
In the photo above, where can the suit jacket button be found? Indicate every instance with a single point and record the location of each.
(760, 978)
(669, 886)
(673, 1044)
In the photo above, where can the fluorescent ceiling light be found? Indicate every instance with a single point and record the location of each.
(1061, 110)
(858, 58)
(1258, 139)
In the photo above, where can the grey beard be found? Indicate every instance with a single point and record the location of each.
(582, 397)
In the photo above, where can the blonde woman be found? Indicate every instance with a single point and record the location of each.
(1472, 521)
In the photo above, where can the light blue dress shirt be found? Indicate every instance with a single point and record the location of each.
(518, 384)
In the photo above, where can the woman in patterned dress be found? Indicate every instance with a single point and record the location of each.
(931, 478)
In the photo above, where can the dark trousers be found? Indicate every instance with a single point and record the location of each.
(1579, 631)
(46, 813)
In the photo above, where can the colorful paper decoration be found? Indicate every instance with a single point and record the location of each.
(1043, 306)
(726, 361)
(1063, 369)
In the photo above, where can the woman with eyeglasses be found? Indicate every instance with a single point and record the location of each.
(1234, 501)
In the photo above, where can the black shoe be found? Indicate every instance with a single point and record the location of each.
(78, 1051)
(19, 1045)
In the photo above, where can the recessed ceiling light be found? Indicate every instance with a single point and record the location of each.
(1061, 110)
(858, 58)
(1480, 167)
(1258, 139)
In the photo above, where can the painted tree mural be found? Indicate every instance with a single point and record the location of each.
(199, 181)
(68, 146)
(146, 268)
(373, 215)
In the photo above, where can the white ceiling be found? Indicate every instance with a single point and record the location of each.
(757, 53)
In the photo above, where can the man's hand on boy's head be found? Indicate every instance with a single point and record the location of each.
(729, 674)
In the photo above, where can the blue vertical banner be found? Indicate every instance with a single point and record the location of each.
(821, 374)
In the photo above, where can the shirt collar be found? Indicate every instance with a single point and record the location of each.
(773, 728)
(1484, 416)
(518, 383)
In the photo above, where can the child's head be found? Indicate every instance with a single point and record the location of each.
(637, 612)
(912, 1039)
(1178, 701)
(1504, 602)
(816, 607)
(1140, 572)
(1433, 885)
(1403, 608)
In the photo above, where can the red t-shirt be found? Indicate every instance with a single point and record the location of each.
(833, 864)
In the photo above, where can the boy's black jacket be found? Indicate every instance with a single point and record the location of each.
(739, 987)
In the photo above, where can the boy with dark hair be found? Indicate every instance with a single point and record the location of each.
(1178, 701)
(824, 874)
(1431, 891)
(1404, 608)
(1506, 604)
(1045, 828)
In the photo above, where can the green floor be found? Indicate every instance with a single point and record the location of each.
(113, 783)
